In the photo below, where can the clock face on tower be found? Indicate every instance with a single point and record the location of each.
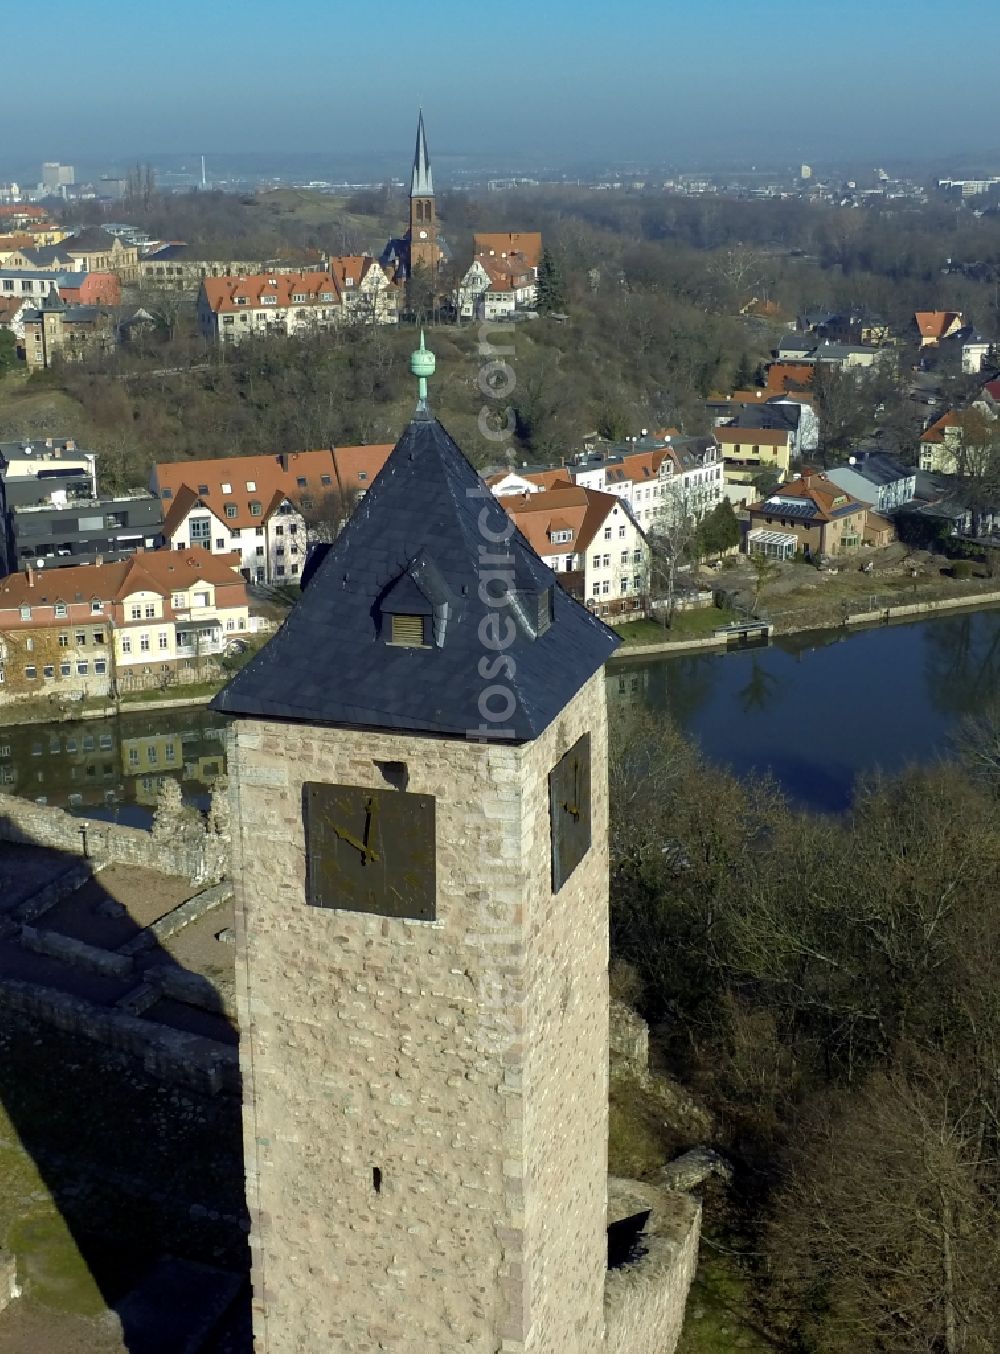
(370, 850)
(422, 234)
(569, 809)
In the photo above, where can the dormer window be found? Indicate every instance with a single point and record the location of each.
(558, 537)
(409, 631)
(417, 610)
(326, 296)
(269, 300)
(239, 300)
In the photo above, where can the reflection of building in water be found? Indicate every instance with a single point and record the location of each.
(195, 757)
(104, 763)
(627, 686)
(70, 765)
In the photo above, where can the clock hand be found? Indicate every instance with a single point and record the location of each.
(351, 840)
(574, 808)
(371, 808)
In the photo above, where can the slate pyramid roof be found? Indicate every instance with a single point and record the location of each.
(421, 182)
(415, 544)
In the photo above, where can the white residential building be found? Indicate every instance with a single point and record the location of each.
(259, 506)
(591, 540)
(351, 290)
(492, 290)
(660, 476)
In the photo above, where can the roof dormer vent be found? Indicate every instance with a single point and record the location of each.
(417, 607)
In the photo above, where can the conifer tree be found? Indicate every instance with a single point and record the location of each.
(550, 292)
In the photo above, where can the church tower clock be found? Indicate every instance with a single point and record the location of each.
(424, 251)
(419, 781)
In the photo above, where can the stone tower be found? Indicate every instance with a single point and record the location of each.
(419, 778)
(422, 235)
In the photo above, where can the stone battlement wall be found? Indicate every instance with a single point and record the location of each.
(181, 843)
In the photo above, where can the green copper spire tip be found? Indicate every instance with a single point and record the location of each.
(422, 365)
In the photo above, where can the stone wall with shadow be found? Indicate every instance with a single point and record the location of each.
(120, 1124)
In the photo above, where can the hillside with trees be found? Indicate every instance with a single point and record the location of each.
(828, 988)
(642, 295)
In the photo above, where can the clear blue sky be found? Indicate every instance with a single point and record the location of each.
(633, 79)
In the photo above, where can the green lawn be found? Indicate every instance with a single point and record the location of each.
(699, 624)
(50, 1263)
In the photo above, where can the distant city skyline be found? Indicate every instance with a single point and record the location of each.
(651, 83)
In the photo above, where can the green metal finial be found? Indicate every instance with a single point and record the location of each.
(422, 365)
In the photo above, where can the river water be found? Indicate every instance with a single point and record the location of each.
(113, 768)
(814, 709)
(818, 709)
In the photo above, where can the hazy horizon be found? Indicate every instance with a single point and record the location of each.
(657, 85)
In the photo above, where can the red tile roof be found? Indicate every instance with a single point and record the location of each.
(937, 430)
(356, 467)
(506, 275)
(165, 571)
(24, 209)
(570, 508)
(782, 376)
(353, 266)
(274, 477)
(226, 295)
(935, 324)
(829, 499)
(501, 244)
(160, 571)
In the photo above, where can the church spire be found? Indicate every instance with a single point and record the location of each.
(421, 183)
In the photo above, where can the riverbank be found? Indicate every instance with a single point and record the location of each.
(829, 614)
(37, 713)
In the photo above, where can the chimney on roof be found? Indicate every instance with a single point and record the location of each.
(29, 575)
(283, 460)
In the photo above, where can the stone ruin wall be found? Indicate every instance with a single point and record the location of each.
(644, 1302)
(182, 842)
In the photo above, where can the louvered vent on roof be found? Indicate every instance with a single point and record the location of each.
(408, 631)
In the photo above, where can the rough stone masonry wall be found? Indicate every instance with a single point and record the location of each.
(373, 1042)
(565, 1072)
(179, 845)
(645, 1301)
